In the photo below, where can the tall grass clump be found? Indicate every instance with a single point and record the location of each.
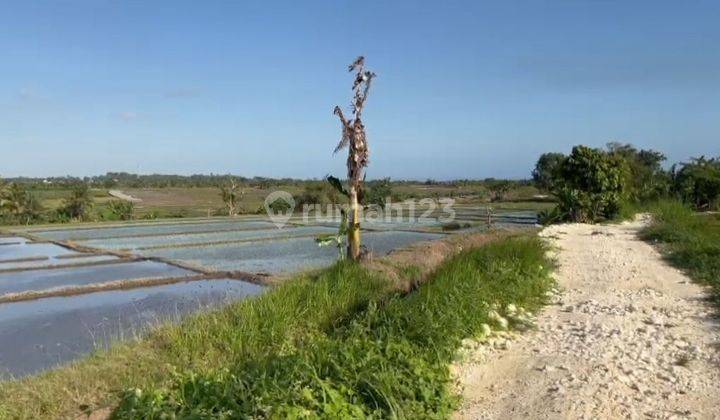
(388, 359)
(690, 241)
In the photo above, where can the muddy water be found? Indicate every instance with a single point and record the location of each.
(36, 280)
(40, 334)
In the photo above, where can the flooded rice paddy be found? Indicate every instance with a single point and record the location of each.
(40, 334)
(68, 290)
(53, 262)
(33, 280)
(21, 251)
(282, 256)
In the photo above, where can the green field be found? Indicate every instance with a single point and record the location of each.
(205, 201)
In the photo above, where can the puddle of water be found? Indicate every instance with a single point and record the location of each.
(156, 229)
(23, 281)
(31, 250)
(280, 256)
(195, 238)
(56, 262)
(40, 334)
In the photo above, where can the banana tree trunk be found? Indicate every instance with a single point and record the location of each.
(353, 247)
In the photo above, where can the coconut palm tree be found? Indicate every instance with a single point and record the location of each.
(354, 138)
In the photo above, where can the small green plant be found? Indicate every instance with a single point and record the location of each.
(151, 215)
(277, 206)
(78, 205)
(499, 190)
(337, 239)
(376, 193)
(121, 209)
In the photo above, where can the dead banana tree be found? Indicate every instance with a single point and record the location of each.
(231, 194)
(354, 138)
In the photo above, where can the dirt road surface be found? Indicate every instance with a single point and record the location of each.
(121, 195)
(628, 337)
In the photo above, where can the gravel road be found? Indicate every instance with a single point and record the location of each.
(627, 337)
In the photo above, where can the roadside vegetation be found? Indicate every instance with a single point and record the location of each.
(343, 342)
(689, 240)
(595, 185)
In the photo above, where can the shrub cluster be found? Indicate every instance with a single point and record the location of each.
(588, 185)
(592, 185)
(698, 183)
(21, 205)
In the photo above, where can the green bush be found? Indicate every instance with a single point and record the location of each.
(377, 192)
(593, 185)
(499, 190)
(319, 192)
(698, 183)
(78, 205)
(645, 179)
(121, 209)
(544, 172)
(588, 185)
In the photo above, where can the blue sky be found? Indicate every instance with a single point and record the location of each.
(468, 89)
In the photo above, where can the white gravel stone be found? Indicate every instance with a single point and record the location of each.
(629, 337)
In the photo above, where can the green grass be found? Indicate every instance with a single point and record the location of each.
(389, 359)
(690, 241)
(339, 343)
(265, 325)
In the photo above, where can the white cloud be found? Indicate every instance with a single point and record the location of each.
(128, 116)
(30, 94)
